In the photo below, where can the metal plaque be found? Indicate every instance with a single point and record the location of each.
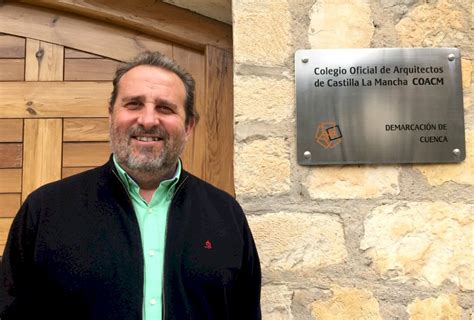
(369, 106)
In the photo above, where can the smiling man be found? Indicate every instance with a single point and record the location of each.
(139, 237)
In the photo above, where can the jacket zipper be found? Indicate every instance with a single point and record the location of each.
(163, 291)
(135, 215)
(124, 188)
(166, 236)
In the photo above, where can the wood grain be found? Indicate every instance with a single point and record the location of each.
(86, 129)
(11, 130)
(85, 154)
(10, 203)
(89, 69)
(67, 172)
(194, 153)
(220, 124)
(12, 69)
(12, 47)
(10, 155)
(5, 224)
(152, 17)
(10, 181)
(41, 153)
(44, 61)
(32, 65)
(54, 99)
(77, 54)
(95, 37)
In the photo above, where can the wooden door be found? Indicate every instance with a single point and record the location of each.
(55, 81)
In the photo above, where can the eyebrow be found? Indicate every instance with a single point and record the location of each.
(132, 98)
(141, 98)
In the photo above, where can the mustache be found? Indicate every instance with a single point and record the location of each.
(156, 131)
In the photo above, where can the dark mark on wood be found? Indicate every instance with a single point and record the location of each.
(40, 53)
(31, 111)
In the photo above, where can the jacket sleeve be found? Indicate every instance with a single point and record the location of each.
(17, 274)
(249, 281)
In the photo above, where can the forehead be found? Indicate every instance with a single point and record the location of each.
(153, 80)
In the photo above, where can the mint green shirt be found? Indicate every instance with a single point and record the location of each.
(152, 218)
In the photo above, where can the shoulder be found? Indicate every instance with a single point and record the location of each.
(210, 206)
(205, 189)
(205, 197)
(69, 186)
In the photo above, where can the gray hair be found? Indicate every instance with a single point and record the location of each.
(157, 59)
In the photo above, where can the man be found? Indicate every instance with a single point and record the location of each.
(139, 237)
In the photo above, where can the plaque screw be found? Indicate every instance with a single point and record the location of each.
(305, 60)
(451, 57)
(307, 154)
(457, 152)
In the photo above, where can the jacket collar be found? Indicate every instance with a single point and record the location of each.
(111, 171)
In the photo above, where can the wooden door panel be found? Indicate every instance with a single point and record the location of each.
(12, 69)
(11, 130)
(5, 224)
(86, 129)
(44, 61)
(219, 119)
(77, 54)
(10, 155)
(87, 154)
(12, 47)
(10, 205)
(54, 99)
(67, 172)
(89, 69)
(10, 180)
(41, 153)
(194, 152)
(77, 32)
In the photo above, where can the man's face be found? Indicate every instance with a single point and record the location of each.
(147, 123)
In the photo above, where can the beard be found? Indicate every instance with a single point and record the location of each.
(143, 159)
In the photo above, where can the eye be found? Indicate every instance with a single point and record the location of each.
(165, 109)
(132, 104)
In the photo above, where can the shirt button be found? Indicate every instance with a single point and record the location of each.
(151, 253)
(153, 301)
(150, 211)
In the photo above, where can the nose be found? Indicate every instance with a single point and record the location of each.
(148, 117)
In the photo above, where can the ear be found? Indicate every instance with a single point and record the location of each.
(190, 127)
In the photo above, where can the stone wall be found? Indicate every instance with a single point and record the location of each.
(349, 242)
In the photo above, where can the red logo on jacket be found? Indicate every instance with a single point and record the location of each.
(207, 244)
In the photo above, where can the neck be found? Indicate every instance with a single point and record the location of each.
(150, 180)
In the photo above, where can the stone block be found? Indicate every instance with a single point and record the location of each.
(298, 241)
(466, 68)
(462, 172)
(263, 99)
(340, 24)
(347, 303)
(434, 24)
(429, 242)
(441, 308)
(262, 32)
(352, 182)
(276, 302)
(262, 167)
